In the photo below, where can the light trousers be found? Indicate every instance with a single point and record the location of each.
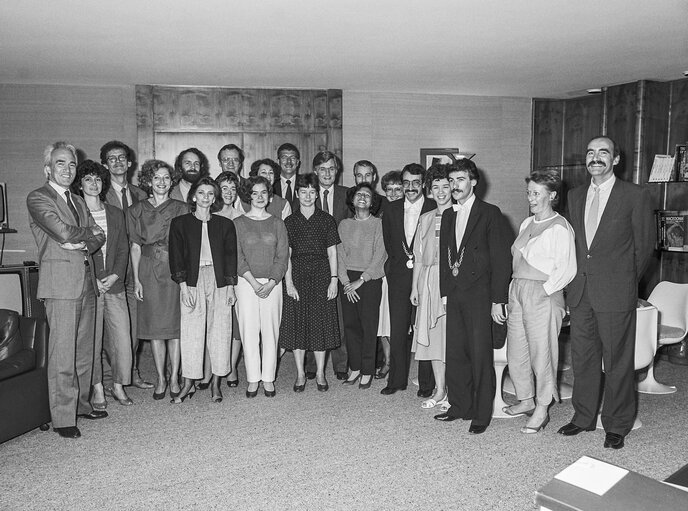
(113, 340)
(533, 328)
(209, 320)
(259, 322)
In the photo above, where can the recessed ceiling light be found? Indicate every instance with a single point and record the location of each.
(594, 91)
(685, 73)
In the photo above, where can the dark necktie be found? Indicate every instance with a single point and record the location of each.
(125, 201)
(71, 207)
(326, 206)
(288, 195)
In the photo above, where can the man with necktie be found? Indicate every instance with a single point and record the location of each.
(66, 235)
(475, 269)
(289, 160)
(614, 226)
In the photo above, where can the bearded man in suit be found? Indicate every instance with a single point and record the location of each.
(614, 227)
(66, 236)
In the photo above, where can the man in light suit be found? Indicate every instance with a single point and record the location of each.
(475, 269)
(614, 226)
(118, 158)
(66, 235)
(399, 224)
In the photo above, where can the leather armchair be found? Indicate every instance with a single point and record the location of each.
(24, 382)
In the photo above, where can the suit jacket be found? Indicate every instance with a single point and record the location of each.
(277, 190)
(394, 236)
(620, 251)
(117, 249)
(485, 252)
(136, 193)
(340, 210)
(185, 249)
(61, 271)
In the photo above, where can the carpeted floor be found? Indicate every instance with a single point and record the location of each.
(343, 449)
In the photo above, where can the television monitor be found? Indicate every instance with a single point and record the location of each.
(4, 215)
(12, 292)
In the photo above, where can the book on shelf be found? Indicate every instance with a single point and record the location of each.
(671, 230)
(681, 162)
(662, 169)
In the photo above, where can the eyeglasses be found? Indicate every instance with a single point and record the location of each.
(416, 183)
(230, 160)
(122, 158)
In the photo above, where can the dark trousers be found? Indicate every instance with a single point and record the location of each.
(470, 359)
(360, 322)
(400, 314)
(609, 337)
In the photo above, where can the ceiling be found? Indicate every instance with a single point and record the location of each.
(533, 48)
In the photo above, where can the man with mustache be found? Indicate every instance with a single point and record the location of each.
(193, 165)
(614, 228)
(289, 160)
(399, 225)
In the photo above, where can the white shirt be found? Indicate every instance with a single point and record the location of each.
(463, 211)
(60, 190)
(118, 189)
(283, 182)
(411, 216)
(330, 199)
(605, 192)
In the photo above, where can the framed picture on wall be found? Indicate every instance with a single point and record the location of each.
(433, 156)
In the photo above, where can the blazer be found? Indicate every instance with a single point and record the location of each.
(340, 210)
(277, 190)
(620, 251)
(61, 271)
(117, 249)
(136, 193)
(485, 252)
(185, 249)
(394, 236)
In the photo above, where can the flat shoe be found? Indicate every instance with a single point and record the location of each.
(126, 401)
(141, 384)
(445, 417)
(94, 415)
(476, 429)
(613, 440)
(68, 432)
(508, 410)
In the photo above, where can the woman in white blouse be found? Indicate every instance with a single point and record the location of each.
(544, 262)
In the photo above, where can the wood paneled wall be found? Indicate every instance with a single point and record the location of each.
(389, 129)
(33, 116)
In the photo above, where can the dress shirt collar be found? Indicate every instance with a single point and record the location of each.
(604, 187)
(60, 190)
(466, 206)
(414, 206)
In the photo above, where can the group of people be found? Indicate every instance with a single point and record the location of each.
(279, 260)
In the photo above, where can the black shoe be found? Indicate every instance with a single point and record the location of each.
(351, 382)
(571, 429)
(161, 395)
(269, 393)
(341, 375)
(613, 440)
(94, 415)
(382, 373)
(310, 375)
(233, 383)
(324, 387)
(477, 429)
(424, 393)
(388, 391)
(203, 385)
(251, 393)
(176, 400)
(445, 417)
(299, 388)
(362, 385)
(68, 432)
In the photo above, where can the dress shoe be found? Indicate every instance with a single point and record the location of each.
(233, 383)
(252, 393)
(351, 382)
(362, 385)
(531, 431)
(99, 405)
(203, 385)
(179, 399)
(424, 393)
(571, 429)
(310, 375)
(445, 417)
(269, 393)
(94, 415)
(160, 395)
(341, 375)
(139, 383)
(322, 387)
(477, 429)
(124, 400)
(613, 440)
(68, 432)
(382, 373)
(388, 391)
(299, 388)
(107, 389)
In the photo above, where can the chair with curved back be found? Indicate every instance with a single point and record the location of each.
(671, 300)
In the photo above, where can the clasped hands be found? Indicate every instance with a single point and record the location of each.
(350, 290)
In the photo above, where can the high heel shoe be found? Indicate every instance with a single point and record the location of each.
(322, 387)
(161, 395)
(233, 383)
(302, 387)
(382, 372)
(351, 382)
(179, 400)
(252, 393)
(531, 431)
(362, 385)
(176, 394)
(269, 393)
(203, 385)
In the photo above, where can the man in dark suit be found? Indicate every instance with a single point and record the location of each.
(118, 158)
(66, 236)
(475, 269)
(231, 158)
(289, 160)
(399, 224)
(613, 223)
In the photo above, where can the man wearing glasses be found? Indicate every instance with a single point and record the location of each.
(193, 165)
(118, 158)
(399, 224)
(231, 159)
(289, 160)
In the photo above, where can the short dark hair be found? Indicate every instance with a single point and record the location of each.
(91, 168)
(227, 176)
(352, 191)
(149, 168)
(365, 163)
(306, 180)
(324, 157)
(465, 165)
(205, 166)
(205, 180)
(265, 161)
(246, 189)
(116, 144)
(288, 147)
(435, 172)
(233, 147)
(414, 169)
(550, 179)
(390, 178)
(617, 152)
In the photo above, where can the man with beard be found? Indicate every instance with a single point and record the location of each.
(231, 159)
(118, 158)
(399, 225)
(366, 172)
(475, 270)
(613, 223)
(289, 160)
(193, 165)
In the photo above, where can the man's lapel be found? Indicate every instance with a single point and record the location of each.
(473, 216)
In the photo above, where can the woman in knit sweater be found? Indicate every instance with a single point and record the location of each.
(544, 262)
(361, 255)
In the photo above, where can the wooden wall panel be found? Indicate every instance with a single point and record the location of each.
(548, 123)
(583, 120)
(622, 103)
(169, 144)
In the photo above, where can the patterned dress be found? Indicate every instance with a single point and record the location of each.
(311, 323)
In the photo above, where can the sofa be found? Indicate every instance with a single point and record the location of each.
(23, 374)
